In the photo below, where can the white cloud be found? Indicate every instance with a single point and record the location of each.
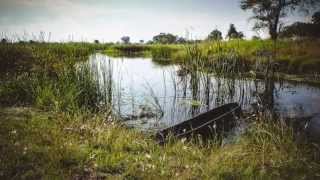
(110, 21)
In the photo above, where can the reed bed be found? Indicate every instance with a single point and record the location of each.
(45, 75)
(133, 50)
(290, 56)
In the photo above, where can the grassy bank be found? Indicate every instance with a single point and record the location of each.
(290, 57)
(158, 52)
(41, 145)
(131, 50)
(19, 58)
(45, 76)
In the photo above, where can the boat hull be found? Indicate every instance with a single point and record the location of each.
(206, 125)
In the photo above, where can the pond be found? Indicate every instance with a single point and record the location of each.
(149, 95)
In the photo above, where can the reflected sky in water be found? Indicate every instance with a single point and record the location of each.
(150, 95)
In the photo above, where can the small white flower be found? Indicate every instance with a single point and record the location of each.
(148, 156)
(184, 147)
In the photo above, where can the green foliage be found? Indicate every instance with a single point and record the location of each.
(168, 38)
(163, 52)
(15, 59)
(233, 33)
(256, 38)
(131, 50)
(268, 13)
(125, 39)
(164, 38)
(302, 30)
(17, 91)
(72, 91)
(215, 35)
(45, 75)
(293, 57)
(3, 41)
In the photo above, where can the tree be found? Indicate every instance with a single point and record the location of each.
(215, 35)
(316, 18)
(301, 29)
(240, 35)
(4, 41)
(268, 13)
(181, 40)
(96, 41)
(164, 38)
(255, 38)
(233, 33)
(125, 39)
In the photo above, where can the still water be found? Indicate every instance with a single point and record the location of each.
(148, 95)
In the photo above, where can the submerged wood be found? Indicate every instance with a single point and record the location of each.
(207, 125)
(313, 128)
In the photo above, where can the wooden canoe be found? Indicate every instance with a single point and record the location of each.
(206, 125)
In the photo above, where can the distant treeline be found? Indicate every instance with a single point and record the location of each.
(297, 29)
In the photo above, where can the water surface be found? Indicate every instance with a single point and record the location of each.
(152, 96)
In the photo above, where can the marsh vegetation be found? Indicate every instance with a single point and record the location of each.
(91, 110)
(58, 107)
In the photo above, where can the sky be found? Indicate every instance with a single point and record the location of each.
(109, 20)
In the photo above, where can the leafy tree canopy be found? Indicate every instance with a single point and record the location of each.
(233, 33)
(164, 38)
(125, 39)
(4, 40)
(215, 35)
(168, 38)
(268, 13)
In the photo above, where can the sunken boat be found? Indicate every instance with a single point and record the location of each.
(206, 125)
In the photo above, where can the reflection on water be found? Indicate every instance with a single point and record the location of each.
(150, 95)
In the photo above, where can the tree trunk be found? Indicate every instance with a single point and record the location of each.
(274, 23)
(273, 31)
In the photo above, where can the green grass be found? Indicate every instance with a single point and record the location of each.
(292, 57)
(40, 145)
(131, 50)
(44, 75)
(173, 53)
(43, 57)
(167, 53)
(70, 91)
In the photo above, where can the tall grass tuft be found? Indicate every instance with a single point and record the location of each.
(72, 91)
(132, 50)
(50, 80)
